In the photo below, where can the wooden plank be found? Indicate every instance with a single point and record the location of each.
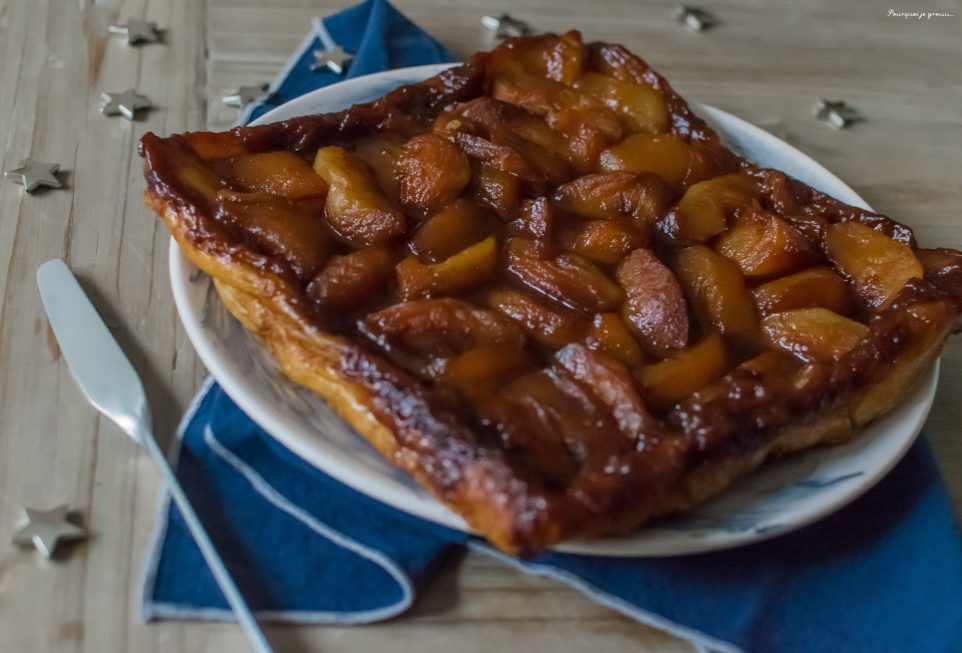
(766, 62)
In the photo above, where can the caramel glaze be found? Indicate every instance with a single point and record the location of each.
(458, 451)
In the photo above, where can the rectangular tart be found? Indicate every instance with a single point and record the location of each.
(542, 285)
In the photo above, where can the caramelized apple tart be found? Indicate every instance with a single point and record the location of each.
(544, 287)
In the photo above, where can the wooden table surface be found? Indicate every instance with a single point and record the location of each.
(766, 61)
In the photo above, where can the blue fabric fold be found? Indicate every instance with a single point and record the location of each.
(378, 37)
(884, 574)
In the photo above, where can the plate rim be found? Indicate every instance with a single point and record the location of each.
(340, 466)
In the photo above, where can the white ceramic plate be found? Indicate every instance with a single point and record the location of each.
(781, 497)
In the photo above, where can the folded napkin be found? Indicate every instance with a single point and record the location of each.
(884, 574)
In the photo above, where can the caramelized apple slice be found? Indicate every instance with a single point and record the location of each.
(879, 265)
(507, 131)
(709, 159)
(195, 177)
(200, 179)
(277, 173)
(610, 382)
(639, 105)
(813, 333)
(815, 287)
(765, 245)
(666, 155)
(702, 213)
(497, 189)
(215, 145)
(603, 241)
(506, 160)
(431, 172)
(464, 271)
(353, 280)
(609, 336)
(357, 208)
(655, 306)
(587, 124)
(673, 379)
(293, 231)
(717, 288)
(639, 196)
(569, 409)
(548, 323)
(537, 218)
(380, 151)
(440, 328)
(480, 373)
(447, 232)
(567, 279)
(556, 57)
(527, 431)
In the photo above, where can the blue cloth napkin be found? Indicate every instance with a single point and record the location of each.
(884, 574)
(378, 37)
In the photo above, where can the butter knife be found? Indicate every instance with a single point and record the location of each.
(111, 384)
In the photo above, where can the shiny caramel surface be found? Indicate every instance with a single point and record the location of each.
(546, 260)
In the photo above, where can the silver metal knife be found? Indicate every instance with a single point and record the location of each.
(111, 384)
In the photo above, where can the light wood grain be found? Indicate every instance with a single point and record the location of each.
(766, 62)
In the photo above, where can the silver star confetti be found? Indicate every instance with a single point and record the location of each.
(695, 18)
(247, 94)
(125, 104)
(137, 31)
(46, 529)
(505, 25)
(33, 175)
(836, 113)
(335, 60)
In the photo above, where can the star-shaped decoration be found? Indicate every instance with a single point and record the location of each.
(33, 175)
(46, 529)
(695, 18)
(505, 25)
(125, 104)
(247, 94)
(836, 113)
(335, 60)
(137, 31)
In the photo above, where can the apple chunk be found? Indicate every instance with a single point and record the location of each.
(815, 287)
(431, 172)
(350, 281)
(496, 189)
(611, 383)
(717, 289)
(292, 230)
(813, 333)
(548, 323)
(464, 271)
(609, 335)
(567, 278)
(675, 378)
(604, 241)
(447, 232)
(441, 328)
(277, 173)
(639, 105)
(765, 245)
(655, 305)
(639, 196)
(480, 373)
(702, 212)
(666, 155)
(878, 265)
(357, 208)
